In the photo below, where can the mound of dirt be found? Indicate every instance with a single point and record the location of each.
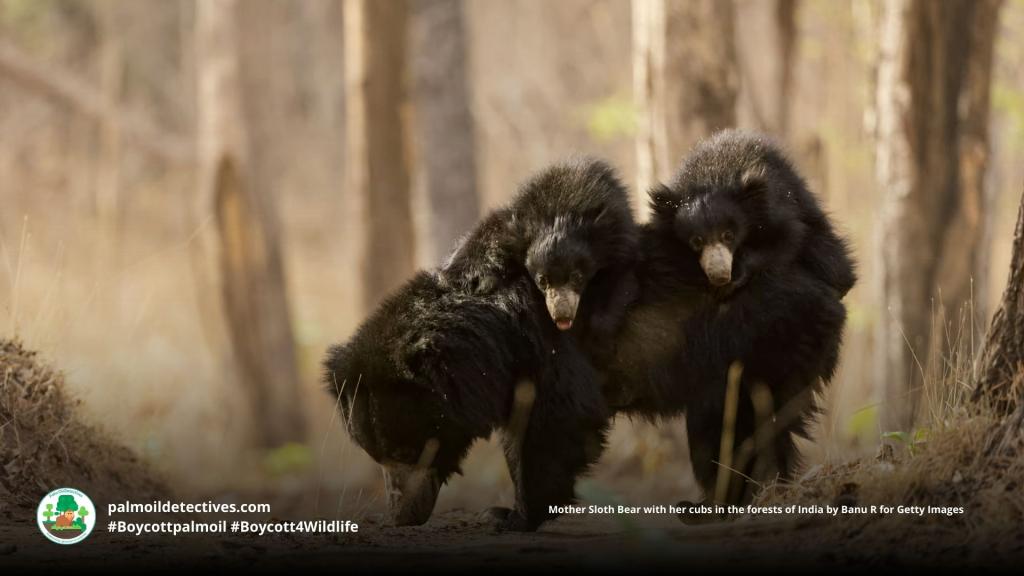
(966, 474)
(45, 445)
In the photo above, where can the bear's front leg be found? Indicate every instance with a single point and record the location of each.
(544, 464)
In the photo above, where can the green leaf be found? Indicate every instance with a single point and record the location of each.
(921, 435)
(898, 435)
(863, 423)
(611, 118)
(290, 458)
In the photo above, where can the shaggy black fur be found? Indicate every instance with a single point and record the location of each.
(441, 363)
(739, 224)
(433, 363)
(520, 298)
(571, 230)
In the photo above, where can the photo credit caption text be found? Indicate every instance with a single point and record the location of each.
(827, 510)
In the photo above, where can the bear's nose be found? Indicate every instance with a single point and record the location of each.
(562, 303)
(716, 260)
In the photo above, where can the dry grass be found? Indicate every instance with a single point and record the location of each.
(45, 445)
(968, 457)
(953, 467)
(958, 454)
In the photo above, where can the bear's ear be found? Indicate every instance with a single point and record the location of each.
(411, 357)
(595, 215)
(753, 182)
(514, 238)
(663, 202)
(337, 362)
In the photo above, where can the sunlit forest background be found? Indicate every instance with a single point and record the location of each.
(365, 137)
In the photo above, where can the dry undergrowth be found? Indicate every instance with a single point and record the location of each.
(970, 458)
(44, 445)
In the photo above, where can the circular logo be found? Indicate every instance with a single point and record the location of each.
(66, 516)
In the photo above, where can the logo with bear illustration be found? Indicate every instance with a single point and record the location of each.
(66, 516)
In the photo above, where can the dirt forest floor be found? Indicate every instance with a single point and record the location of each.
(43, 445)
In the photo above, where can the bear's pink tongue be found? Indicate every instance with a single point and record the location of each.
(563, 324)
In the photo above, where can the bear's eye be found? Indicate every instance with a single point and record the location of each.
(728, 236)
(696, 242)
(542, 280)
(577, 278)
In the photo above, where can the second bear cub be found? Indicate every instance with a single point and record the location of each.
(570, 229)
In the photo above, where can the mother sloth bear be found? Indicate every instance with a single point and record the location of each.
(492, 341)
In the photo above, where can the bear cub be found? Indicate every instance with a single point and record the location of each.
(754, 238)
(571, 231)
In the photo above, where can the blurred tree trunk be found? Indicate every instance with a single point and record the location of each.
(785, 42)
(377, 146)
(1002, 358)
(444, 177)
(963, 271)
(108, 182)
(242, 255)
(934, 73)
(263, 27)
(684, 79)
(766, 37)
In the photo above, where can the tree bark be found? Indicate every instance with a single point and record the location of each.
(786, 24)
(684, 79)
(933, 56)
(963, 269)
(377, 145)
(444, 174)
(242, 259)
(766, 38)
(1001, 363)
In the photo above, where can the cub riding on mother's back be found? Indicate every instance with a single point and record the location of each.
(754, 238)
(489, 342)
(571, 231)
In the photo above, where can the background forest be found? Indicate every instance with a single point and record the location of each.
(197, 197)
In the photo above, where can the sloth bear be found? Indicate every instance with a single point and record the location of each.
(494, 341)
(570, 229)
(434, 369)
(739, 224)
